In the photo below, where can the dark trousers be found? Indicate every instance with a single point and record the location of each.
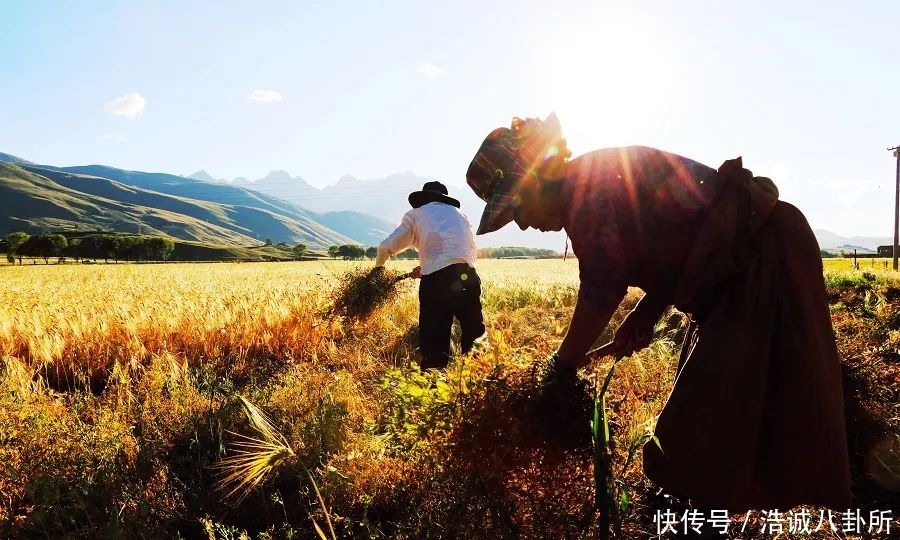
(453, 291)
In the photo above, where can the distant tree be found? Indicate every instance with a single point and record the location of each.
(159, 248)
(10, 258)
(299, 251)
(139, 249)
(408, 254)
(268, 241)
(16, 240)
(144, 249)
(371, 252)
(44, 246)
(126, 247)
(101, 246)
(56, 243)
(91, 247)
(333, 251)
(514, 251)
(166, 248)
(72, 250)
(351, 251)
(110, 247)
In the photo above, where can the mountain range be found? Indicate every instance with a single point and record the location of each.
(831, 241)
(43, 197)
(279, 207)
(386, 199)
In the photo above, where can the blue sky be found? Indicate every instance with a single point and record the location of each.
(807, 92)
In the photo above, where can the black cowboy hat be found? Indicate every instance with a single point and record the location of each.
(431, 192)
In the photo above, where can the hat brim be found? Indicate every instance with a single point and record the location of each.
(420, 198)
(497, 213)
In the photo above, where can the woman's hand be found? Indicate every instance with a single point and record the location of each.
(416, 273)
(632, 335)
(588, 321)
(636, 331)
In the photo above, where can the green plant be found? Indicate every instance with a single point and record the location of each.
(603, 488)
(422, 404)
(611, 496)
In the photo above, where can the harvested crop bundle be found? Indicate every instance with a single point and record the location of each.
(363, 290)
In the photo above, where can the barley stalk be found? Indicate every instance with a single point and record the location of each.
(254, 457)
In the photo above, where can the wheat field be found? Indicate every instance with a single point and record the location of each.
(128, 391)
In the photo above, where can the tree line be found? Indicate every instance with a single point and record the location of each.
(510, 251)
(118, 247)
(354, 252)
(357, 252)
(99, 246)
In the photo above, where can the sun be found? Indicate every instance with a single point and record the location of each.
(608, 84)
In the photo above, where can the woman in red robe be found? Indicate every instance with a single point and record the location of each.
(755, 419)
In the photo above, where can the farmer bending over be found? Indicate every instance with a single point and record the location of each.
(450, 286)
(756, 418)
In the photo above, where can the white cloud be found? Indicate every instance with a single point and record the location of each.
(111, 137)
(130, 105)
(263, 96)
(430, 70)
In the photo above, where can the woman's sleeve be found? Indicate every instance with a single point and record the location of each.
(593, 229)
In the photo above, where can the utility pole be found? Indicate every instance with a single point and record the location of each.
(896, 249)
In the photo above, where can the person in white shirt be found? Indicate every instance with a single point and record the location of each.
(450, 286)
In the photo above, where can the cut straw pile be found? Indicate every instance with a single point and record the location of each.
(363, 290)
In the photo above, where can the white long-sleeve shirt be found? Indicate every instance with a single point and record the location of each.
(440, 233)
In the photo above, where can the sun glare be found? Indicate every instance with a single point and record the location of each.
(608, 85)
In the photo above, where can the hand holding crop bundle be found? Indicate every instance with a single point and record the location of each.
(558, 375)
(562, 406)
(636, 331)
(631, 336)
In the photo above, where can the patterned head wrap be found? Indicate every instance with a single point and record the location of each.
(507, 155)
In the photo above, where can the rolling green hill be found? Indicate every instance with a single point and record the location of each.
(250, 206)
(36, 198)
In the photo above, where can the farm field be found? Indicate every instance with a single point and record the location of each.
(126, 389)
(871, 264)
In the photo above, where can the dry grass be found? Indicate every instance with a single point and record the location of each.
(255, 457)
(124, 387)
(363, 290)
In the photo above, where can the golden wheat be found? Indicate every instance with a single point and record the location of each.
(167, 349)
